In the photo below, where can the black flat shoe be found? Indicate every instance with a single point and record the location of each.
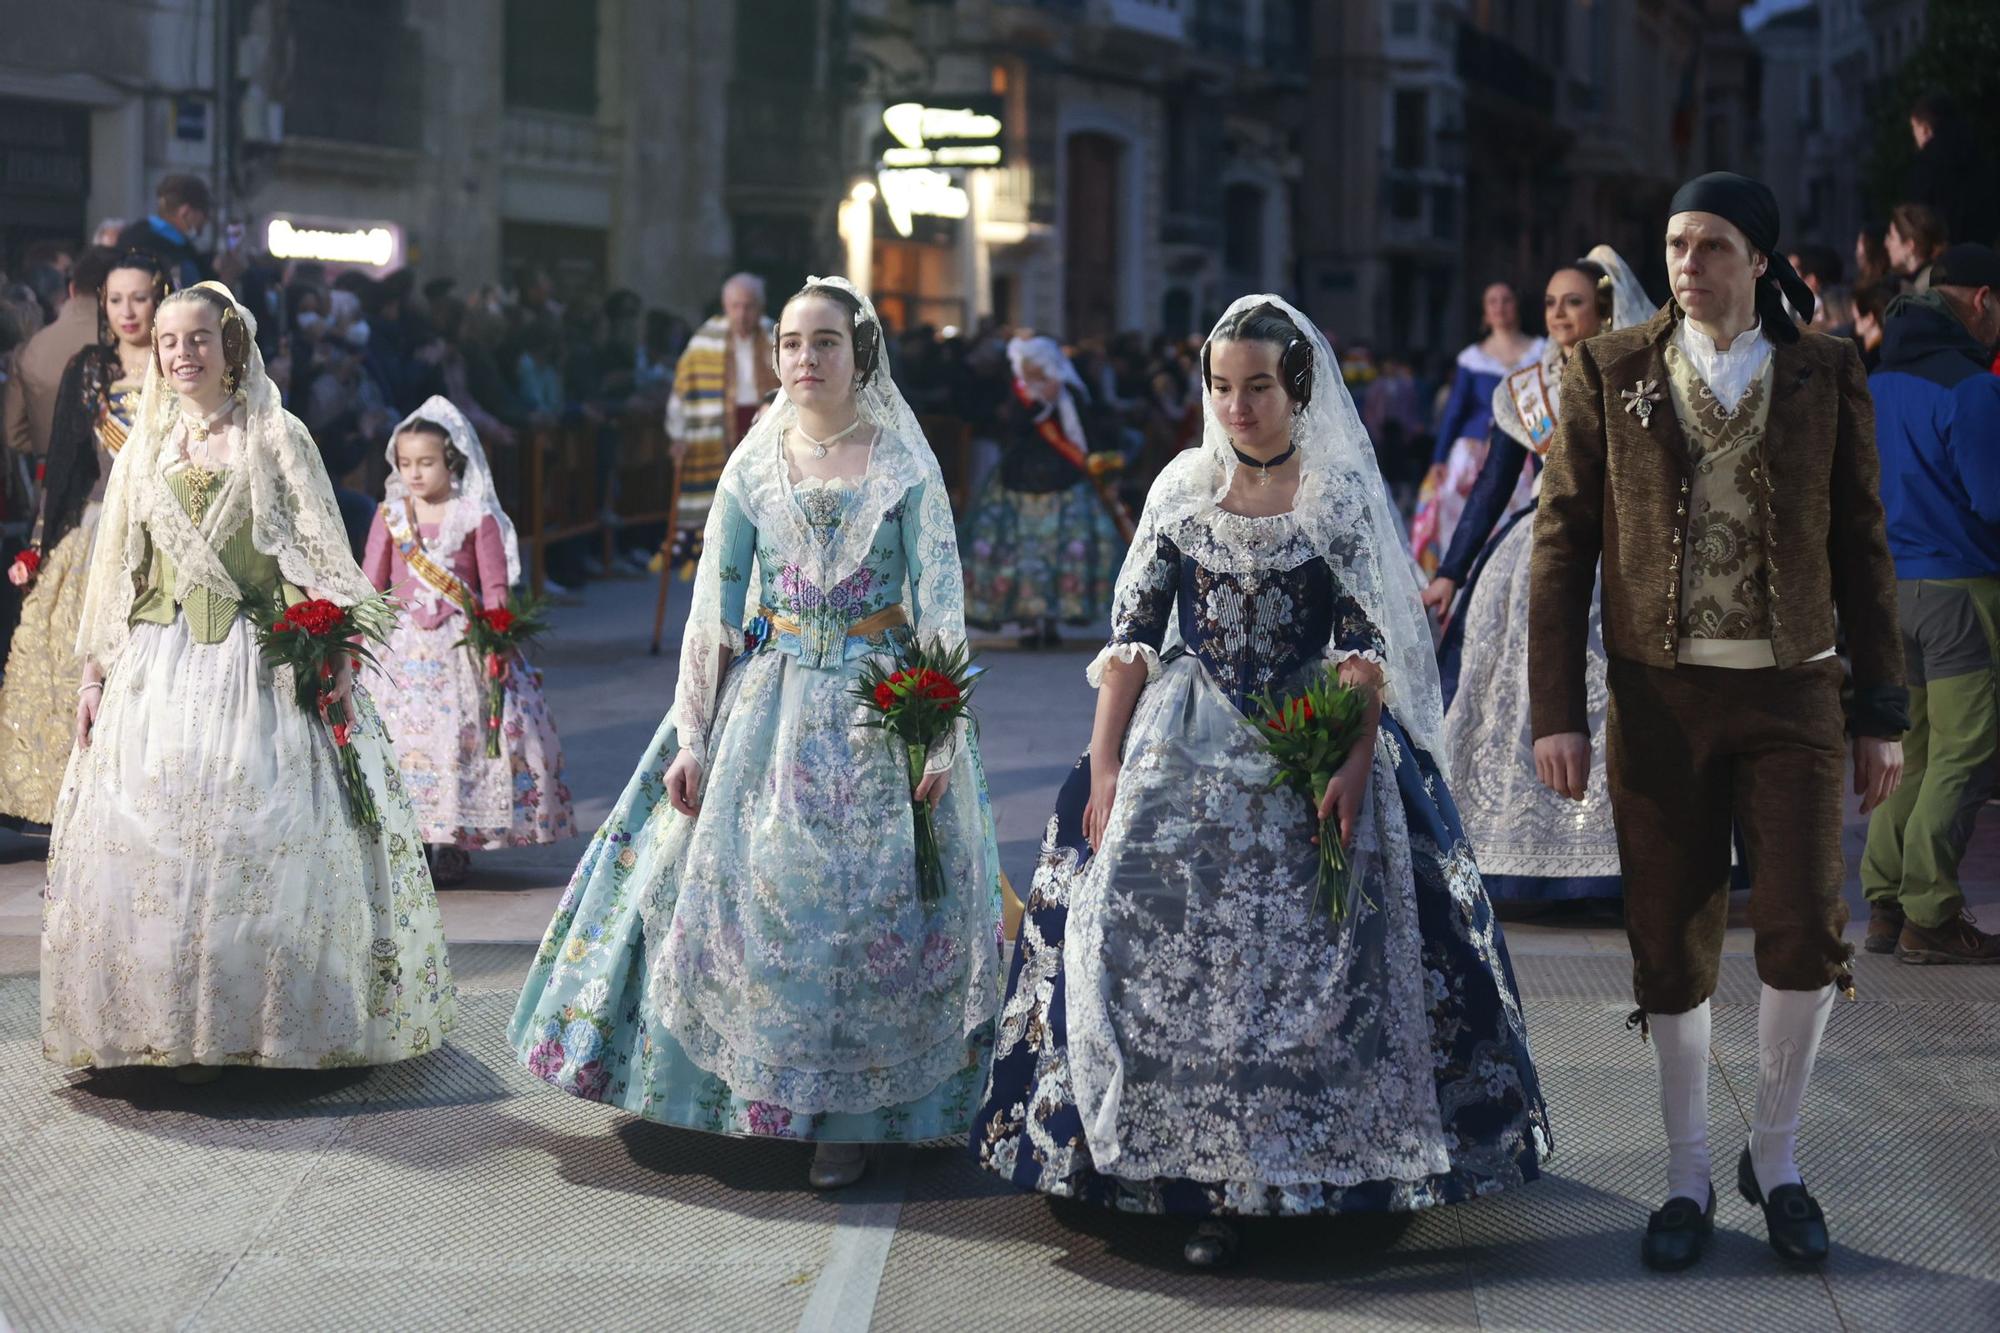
(1792, 1216)
(1213, 1245)
(1677, 1235)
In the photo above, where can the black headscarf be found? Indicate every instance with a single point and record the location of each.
(1752, 207)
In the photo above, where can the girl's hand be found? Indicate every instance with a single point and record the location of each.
(684, 784)
(933, 786)
(1103, 795)
(343, 681)
(88, 699)
(18, 575)
(1344, 794)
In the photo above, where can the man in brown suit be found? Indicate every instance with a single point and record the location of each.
(1722, 464)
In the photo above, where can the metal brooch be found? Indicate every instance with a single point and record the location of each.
(1639, 400)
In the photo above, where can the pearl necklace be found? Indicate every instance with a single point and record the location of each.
(1264, 465)
(200, 428)
(819, 446)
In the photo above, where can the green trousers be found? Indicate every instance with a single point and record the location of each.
(1951, 640)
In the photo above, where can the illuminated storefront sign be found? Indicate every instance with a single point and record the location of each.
(366, 245)
(923, 149)
(909, 192)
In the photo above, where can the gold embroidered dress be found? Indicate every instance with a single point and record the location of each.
(38, 700)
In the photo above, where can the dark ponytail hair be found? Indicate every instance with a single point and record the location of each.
(1268, 324)
(866, 334)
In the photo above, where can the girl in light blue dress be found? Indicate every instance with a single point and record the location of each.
(743, 949)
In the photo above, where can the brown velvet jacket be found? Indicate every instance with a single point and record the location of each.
(1616, 487)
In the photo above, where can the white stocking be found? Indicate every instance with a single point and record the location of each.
(1682, 1043)
(1789, 1024)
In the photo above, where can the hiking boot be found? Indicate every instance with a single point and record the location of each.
(1956, 941)
(1885, 924)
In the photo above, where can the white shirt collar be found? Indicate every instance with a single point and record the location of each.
(1728, 374)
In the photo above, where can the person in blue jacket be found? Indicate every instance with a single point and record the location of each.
(1937, 428)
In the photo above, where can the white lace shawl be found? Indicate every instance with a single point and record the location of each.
(1342, 508)
(473, 496)
(758, 478)
(276, 479)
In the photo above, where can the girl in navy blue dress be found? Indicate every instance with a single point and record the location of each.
(1184, 1032)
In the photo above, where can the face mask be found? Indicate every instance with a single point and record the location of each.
(310, 321)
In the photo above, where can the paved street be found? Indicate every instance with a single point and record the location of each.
(457, 1192)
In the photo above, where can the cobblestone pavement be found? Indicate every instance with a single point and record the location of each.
(455, 1192)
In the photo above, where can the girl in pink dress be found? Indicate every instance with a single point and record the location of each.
(441, 540)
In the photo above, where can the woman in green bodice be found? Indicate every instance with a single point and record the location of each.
(210, 900)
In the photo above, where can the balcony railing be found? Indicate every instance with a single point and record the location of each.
(551, 138)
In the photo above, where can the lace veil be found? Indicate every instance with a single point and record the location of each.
(1047, 355)
(1629, 303)
(473, 498)
(1342, 508)
(276, 481)
(758, 478)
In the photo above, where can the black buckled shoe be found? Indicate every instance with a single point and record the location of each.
(1677, 1235)
(1214, 1244)
(1792, 1216)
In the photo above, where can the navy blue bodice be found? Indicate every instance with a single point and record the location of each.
(1251, 630)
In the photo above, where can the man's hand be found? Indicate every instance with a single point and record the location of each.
(1878, 770)
(1562, 762)
(1438, 594)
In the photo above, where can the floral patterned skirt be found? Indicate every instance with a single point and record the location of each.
(766, 968)
(38, 701)
(434, 702)
(1032, 557)
(210, 900)
(1047, 1125)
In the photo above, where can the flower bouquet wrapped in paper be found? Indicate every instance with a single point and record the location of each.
(311, 637)
(495, 638)
(1310, 735)
(919, 698)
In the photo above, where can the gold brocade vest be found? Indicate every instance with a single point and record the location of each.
(208, 615)
(1725, 585)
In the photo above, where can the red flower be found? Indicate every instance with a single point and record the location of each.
(499, 619)
(496, 666)
(317, 617)
(885, 696)
(937, 686)
(340, 733)
(41, 471)
(30, 560)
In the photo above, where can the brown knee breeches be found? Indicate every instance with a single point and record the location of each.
(1691, 751)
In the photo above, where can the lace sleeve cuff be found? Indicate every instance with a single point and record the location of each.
(1335, 656)
(944, 751)
(1123, 652)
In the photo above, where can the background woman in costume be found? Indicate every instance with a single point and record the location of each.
(95, 408)
(744, 949)
(1533, 846)
(1040, 548)
(1460, 450)
(212, 900)
(441, 541)
(1185, 1032)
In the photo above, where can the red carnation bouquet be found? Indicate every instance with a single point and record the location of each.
(918, 699)
(1310, 735)
(29, 562)
(495, 638)
(311, 637)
